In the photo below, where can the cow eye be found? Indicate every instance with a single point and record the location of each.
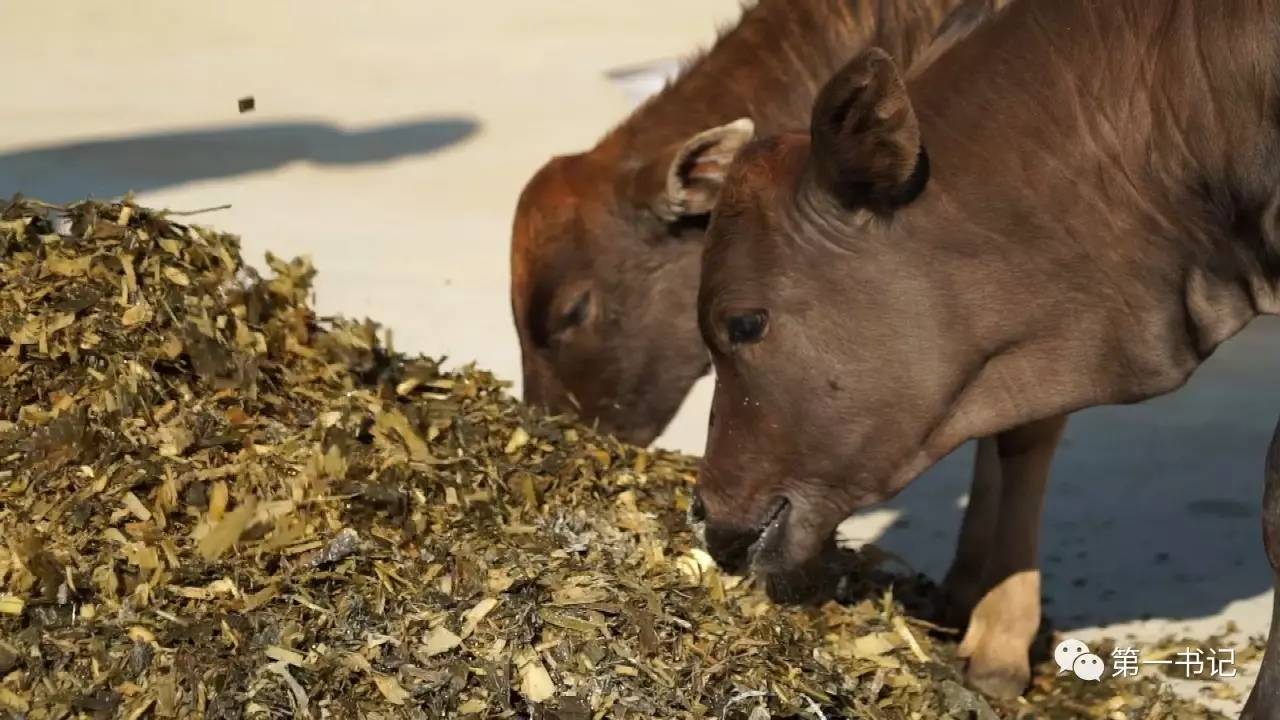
(577, 313)
(748, 327)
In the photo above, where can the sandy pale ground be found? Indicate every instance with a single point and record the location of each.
(390, 142)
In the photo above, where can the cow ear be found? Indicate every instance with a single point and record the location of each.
(866, 149)
(697, 171)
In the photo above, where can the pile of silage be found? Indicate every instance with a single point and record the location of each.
(216, 504)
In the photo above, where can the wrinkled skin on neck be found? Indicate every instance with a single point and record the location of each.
(928, 282)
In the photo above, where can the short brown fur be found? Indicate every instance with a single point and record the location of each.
(1101, 211)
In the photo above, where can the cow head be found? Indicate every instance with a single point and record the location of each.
(823, 327)
(605, 262)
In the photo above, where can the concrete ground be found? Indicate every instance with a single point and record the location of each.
(390, 141)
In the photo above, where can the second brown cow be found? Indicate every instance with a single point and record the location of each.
(1074, 206)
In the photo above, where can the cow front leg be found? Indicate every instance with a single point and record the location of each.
(1004, 622)
(965, 582)
(1264, 700)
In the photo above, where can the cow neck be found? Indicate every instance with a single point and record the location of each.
(1122, 224)
(770, 67)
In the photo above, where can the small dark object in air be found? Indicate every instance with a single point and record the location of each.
(246, 104)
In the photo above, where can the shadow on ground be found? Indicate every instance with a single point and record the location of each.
(111, 167)
(1153, 509)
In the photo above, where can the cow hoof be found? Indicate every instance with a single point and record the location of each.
(998, 640)
(1001, 683)
(998, 665)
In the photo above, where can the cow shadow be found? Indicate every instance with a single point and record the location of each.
(1153, 509)
(110, 167)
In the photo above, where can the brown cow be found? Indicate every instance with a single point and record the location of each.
(1074, 207)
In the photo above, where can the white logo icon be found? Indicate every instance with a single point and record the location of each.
(1089, 667)
(1067, 652)
(1074, 657)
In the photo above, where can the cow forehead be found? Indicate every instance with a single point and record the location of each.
(758, 186)
(763, 171)
(748, 233)
(543, 213)
(546, 199)
(555, 213)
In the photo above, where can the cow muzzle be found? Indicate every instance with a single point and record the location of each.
(758, 547)
(768, 550)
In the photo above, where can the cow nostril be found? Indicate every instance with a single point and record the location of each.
(731, 547)
(697, 510)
